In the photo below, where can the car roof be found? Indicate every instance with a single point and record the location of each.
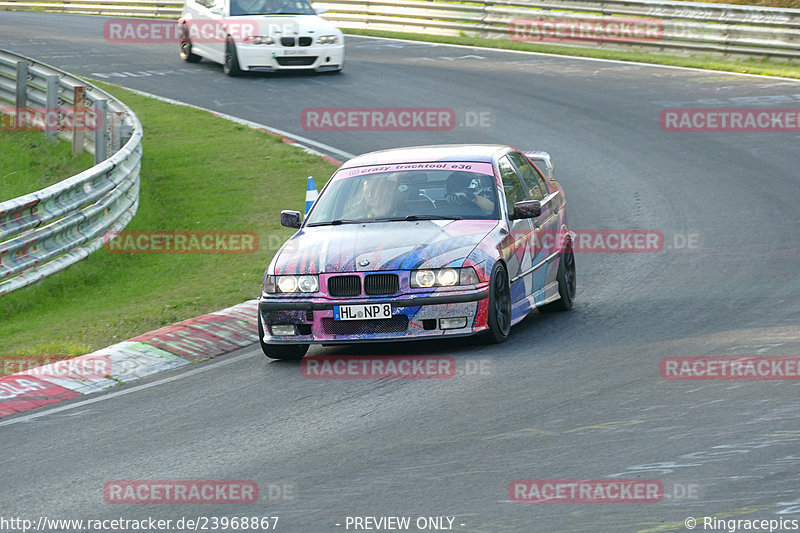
(426, 154)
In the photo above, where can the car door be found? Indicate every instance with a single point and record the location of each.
(545, 226)
(518, 256)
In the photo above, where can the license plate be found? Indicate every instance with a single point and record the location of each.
(362, 311)
(295, 52)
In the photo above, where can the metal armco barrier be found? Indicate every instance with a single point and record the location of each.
(48, 230)
(678, 27)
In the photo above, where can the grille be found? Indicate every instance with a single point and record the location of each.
(396, 324)
(381, 284)
(295, 61)
(304, 41)
(344, 285)
(287, 41)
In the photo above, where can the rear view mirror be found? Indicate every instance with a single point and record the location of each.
(215, 11)
(290, 219)
(527, 209)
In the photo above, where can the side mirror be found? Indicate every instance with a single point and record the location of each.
(215, 11)
(527, 209)
(321, 10)
(290, 219)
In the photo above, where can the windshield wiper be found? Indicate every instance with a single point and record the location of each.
(337, 222)
(412, 218)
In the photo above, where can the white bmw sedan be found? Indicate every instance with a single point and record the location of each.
(265, 35)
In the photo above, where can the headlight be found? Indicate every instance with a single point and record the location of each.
(290, 284)
(308, 283)
(258, 39)
(423, 278)
(287, 283)
(444, 277)
(328, 39)
(447, 277)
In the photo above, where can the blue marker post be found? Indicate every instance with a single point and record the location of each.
(311, 193)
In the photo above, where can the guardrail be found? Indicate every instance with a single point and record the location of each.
(666, 26)
(48, 230)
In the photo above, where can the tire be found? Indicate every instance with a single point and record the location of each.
(231, 64)
(566, 282)
(499, 305)
(285, 352)
(186, 47)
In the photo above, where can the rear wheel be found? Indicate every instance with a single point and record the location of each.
(499, 305)
(231, 65)
(286, 352)
(566, 282)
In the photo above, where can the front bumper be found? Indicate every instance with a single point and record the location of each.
(274, 57)
(413, 317)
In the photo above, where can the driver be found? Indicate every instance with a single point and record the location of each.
(460, 192)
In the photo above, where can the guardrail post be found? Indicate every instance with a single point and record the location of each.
(101, 133)
(78, 115)
(22, 94)
(116, 132)
(52, 111)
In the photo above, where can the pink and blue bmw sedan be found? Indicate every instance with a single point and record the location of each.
(420, 242)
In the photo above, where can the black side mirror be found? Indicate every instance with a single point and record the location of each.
(290, 219)
(527, 209)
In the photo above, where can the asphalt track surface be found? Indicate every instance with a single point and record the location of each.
(569, 396)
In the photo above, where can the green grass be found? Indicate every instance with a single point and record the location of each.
(199, 172)
(29, 162)
(750, 66)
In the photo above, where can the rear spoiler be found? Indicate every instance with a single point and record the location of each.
(542, 161)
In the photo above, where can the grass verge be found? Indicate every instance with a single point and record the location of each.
(30, 162)
(749, 66)
(193, 178)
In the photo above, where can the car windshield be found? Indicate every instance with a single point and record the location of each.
(430, 194)
(271, 7)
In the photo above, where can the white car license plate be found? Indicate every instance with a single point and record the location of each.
(362, 312)
(295, 52)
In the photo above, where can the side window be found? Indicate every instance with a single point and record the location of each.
(511, 184)
(542, 182)
(532, 179)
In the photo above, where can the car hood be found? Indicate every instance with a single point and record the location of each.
(288, 25)
(380, 246)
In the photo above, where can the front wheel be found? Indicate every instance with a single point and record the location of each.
(285, 352)
(186, 47)
(566, 282)
(499, 305)
(231, 64)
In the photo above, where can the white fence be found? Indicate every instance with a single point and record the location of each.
(48, 230)
(655, 26)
